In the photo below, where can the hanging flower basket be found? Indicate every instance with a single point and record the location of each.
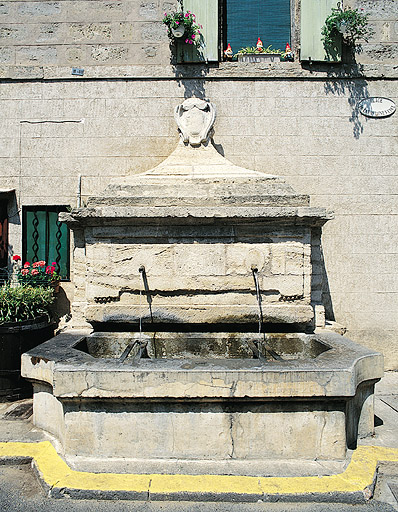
(178, 32)
(182, 26)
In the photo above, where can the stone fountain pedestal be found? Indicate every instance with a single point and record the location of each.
(212, 253)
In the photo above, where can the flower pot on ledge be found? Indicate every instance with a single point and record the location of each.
(259, 57)
(15, 339)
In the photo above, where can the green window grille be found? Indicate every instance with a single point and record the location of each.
(248, 20)
(45, 238)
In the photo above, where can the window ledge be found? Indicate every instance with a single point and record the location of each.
(223, 70)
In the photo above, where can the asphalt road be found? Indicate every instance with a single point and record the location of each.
(20, 491)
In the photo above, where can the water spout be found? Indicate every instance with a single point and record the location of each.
(257, 352)
(142, 271)
(258, 295)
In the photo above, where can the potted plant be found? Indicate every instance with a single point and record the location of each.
(259, 54)
(182, 26)
(348, 25)
(24, 323)
(37, 274)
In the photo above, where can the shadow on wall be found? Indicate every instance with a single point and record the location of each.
(326, 295)
(192, 80)
(355, 89)
(320, 290)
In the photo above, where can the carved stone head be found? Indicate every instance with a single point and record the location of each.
(195, 119)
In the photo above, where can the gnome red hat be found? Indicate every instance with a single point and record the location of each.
(288, 49)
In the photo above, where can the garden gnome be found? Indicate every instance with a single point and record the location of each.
(228, 52)
(260, 45)
(288, 52)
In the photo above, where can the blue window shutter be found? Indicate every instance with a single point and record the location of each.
(248, 20)
(206, 12)
(313, 16)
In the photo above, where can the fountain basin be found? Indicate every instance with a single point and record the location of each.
(219, 405)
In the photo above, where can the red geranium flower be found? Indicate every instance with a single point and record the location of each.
(26, 264)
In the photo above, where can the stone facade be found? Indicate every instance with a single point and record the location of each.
(117, 119)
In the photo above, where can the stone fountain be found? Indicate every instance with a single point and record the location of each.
(200, 282)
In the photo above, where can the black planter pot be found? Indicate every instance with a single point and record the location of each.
(15, 339)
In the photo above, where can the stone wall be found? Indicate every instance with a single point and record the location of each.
(130, 32)
(300, 122)
(86, 32)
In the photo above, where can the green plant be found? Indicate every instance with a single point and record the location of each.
(350, 24)
(250, 50)
(174, 20)
(36, 274)
(24, 303)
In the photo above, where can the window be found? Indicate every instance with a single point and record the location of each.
(240, 22)
(248, 20)
(45, 238)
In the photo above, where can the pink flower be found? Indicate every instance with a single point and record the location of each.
(193, 36)
(26, 264)
(41, 263)
(198, 31)
(34, 272)
(35, 264)
(16, 258)
(177, 22)
(25, 271)
(53, 263)
(187, 40)
(190, 42)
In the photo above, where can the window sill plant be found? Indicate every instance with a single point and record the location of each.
(182, 26)
(259, 54)
(348, 25)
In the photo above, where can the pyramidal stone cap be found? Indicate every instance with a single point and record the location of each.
(196, 180)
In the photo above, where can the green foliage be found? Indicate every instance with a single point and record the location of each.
(250, 50)
(24, 303)
(174, 20)
(350, 24)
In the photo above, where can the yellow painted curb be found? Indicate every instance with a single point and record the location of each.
(56, 473)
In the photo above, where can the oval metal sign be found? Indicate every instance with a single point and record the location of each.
(377, 107)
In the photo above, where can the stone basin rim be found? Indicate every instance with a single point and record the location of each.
(335, 373)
